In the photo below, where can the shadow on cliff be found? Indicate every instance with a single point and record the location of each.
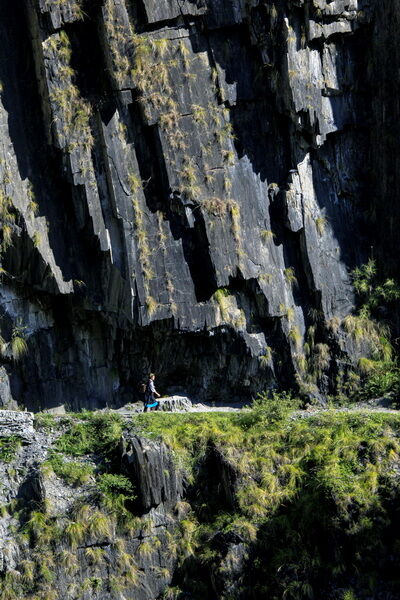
(274, 144)
(262, 133)
(36, 163)
(193, 236)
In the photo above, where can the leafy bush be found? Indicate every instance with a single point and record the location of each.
(116, 490)
(111, 484)
(382, 380)
(272, 409)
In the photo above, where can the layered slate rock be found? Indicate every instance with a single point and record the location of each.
(175, 403)
(150, 466)
(17, 424)
(183, 190)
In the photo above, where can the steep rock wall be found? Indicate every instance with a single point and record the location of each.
(182, 189)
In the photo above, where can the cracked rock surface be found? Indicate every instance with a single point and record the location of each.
(183, 186)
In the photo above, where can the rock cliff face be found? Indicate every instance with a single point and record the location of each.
(183, 187)
(59, 534)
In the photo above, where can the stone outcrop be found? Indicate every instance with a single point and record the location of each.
(183, 189)
(151, 468)
(175, 403)
(18, 424)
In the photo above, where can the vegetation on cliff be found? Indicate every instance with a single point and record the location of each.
(373, 329)
(312, 509)
(276, 503)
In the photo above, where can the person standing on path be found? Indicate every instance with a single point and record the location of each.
(150, 403)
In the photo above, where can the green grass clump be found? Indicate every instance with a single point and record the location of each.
(93, 433)
(273, 409)
(290, 276)
(41, 529)
(9, 447)
(73, 473)
(44, 421)
(188, 435)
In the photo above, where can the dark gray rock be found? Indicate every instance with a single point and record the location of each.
(151, 468)
(243, 164)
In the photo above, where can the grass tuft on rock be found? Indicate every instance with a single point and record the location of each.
(9, 446)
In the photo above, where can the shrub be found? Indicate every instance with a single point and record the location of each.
(95, 433)
(383, 378)
(273, 409)
(116, 490)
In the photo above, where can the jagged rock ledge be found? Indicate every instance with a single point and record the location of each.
(18, 424)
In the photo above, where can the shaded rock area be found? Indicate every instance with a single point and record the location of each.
(185, 187)
(151, 468)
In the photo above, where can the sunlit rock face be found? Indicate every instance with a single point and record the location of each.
(184, 188)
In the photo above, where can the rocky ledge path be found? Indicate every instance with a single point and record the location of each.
(182, 404)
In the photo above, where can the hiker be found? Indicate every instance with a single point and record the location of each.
(150, 403)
